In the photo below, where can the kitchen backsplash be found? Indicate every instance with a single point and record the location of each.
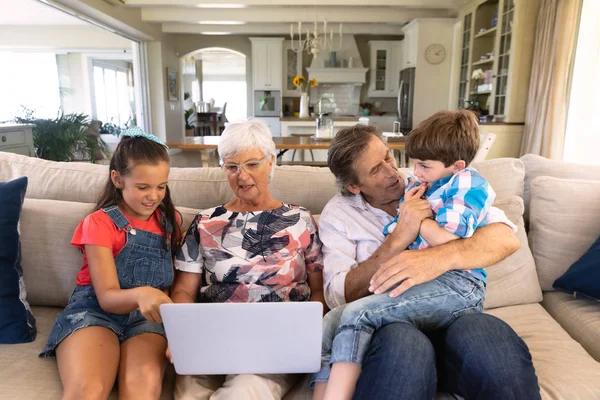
(342, 99)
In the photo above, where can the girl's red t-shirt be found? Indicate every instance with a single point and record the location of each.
(99, 230)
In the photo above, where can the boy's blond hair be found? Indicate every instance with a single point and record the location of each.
(446, 136)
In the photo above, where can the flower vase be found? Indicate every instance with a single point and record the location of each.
(304, 105)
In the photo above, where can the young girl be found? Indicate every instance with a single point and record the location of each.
(111, 327)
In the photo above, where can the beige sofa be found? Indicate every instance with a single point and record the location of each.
(563, 333)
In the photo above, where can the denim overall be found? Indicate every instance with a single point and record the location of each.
(143, 261)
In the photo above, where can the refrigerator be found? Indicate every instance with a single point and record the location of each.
(406, 96)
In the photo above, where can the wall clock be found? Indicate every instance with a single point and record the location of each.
(435, 54)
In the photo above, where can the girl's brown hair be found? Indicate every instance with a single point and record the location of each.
(130, 152)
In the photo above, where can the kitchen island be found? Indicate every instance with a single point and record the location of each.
(294, 126)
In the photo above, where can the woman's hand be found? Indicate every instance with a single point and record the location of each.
(149, 301)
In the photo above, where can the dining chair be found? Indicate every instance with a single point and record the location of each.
(487, 140)
(222, 119)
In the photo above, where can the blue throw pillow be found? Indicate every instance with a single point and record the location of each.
(583, 277)
(17, 324)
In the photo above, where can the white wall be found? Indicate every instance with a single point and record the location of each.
(432, 82)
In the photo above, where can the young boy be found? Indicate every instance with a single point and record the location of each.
(441, 147)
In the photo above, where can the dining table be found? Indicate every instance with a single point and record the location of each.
(284, 144)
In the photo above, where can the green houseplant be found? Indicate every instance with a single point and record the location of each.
(64, 138)
(188, 119)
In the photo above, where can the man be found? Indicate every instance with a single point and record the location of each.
(478, 356)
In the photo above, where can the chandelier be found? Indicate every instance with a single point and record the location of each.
(316, 41)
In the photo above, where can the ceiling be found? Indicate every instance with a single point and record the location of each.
(274, 17)
(33, 12)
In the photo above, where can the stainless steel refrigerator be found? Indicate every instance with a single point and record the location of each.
(406, 96)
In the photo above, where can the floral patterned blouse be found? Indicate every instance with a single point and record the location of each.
(260, 256)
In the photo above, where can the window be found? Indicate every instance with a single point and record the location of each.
(28, 80)
(113, 92)
(582, 138)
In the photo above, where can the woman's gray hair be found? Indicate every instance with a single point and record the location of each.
(243, 136)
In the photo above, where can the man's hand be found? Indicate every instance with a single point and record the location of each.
(411, 267)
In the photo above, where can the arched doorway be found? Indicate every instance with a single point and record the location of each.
(219, 77)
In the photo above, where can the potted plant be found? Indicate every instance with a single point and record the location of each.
(188, 119)
(64, 138)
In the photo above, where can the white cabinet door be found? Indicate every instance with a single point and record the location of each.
(275, 65)
(386, 63)
(267, 63)
(410, 46)
(274, 125)
(260, 65)
(292, 66)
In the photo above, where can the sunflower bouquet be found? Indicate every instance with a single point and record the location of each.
(302, 83)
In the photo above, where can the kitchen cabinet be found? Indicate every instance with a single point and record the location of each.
(386, 63)
(274, 125)
(292, 66)
(267, 63)
(498, 38)
(15, 138)
(411, 41)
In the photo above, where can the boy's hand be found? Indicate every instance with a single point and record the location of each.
(416, 193)
(149, 301)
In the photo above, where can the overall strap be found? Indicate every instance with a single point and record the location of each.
(116, 216)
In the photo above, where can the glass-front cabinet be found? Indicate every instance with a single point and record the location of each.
(505, 36)
(495, 54)
(292, 66)
(385, 66)
(463, 82)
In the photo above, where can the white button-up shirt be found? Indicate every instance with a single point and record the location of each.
(351, 230)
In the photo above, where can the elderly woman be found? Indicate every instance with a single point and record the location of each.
(253, 248)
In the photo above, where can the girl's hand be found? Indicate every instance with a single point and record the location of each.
(149, 301)
(168, 354)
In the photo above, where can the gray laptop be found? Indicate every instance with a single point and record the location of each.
(244, 338)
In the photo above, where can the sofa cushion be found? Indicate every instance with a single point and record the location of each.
(70, 181)
(198, 188)
(17, 324)
(26, 376)
(564, 369)
(564, 222)
(505, 175)
(514, 280)
(539, 166)
(51, 265)
(583, 277)
(580, 317)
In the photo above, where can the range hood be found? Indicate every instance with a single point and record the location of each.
(355, 75)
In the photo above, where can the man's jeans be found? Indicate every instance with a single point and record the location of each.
(477, 357)
(430, 306)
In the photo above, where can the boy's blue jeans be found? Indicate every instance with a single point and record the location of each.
(433, 305)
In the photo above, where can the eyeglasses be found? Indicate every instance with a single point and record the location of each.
(250, 166)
